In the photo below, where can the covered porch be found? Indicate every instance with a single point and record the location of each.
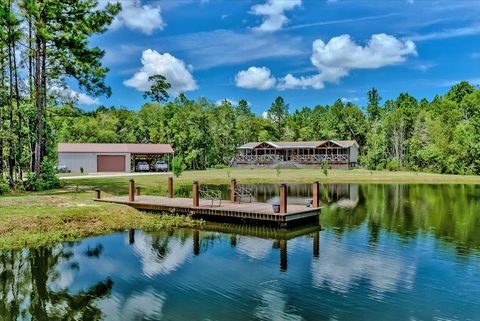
(314, 153)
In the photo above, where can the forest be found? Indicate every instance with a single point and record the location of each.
(44, 45)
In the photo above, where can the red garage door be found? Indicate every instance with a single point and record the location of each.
(110, 163)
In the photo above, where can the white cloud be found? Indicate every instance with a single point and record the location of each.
(273, 12)
(349, 100)
(255, 78)
(214, 48)
(72, 96)
(475, 55)
(448, 33)
(341, 54)
(233, 102)
(135, 16)
(177, 73)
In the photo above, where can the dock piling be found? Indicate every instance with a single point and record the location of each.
(283, 198)
(131, 236)
(131, 190)
(196, 242)
(283, 255)
(233, 187)
(316, 244)
(97, 194)
(196, 191)
(170, 187)
(137, 190)
(316, 194)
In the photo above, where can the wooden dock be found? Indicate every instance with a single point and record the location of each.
(260, 212)
(231, 210)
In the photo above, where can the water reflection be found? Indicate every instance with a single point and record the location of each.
(402, 253)
(341, 195)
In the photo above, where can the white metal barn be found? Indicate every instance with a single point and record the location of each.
(95, 158)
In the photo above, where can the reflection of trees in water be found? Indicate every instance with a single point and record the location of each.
(449, 212)
(25, 292)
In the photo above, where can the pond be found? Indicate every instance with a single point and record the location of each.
(384, 252)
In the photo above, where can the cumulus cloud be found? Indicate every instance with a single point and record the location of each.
(273, 12)
(69, 95)
(341, 54)
(177, 73)
(255, 78)
(141, 17)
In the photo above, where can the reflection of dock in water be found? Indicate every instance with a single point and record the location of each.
(279, 238)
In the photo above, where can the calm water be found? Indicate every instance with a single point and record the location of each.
(385, 252)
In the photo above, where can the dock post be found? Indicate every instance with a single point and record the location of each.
(316, 244)
(131, 190)
(196, 190)
(316, 194)
(170, 187)
(137, 190)
(97, 194)
(233, 187)
(283, 255)
(283, 198)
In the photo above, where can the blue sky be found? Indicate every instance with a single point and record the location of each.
(309, 52)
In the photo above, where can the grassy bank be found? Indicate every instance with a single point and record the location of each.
(40, 219)
(157, 183)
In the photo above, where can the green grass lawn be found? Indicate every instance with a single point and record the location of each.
(156, 184)
(38, 219)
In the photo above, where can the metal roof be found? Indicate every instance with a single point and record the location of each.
(116, 148)
(306, 144)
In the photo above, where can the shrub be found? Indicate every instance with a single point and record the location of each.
(4, 188)
(178, 166)
(392, 165)
(47, 179)
(278, 170)
(219, 166)
(325, 168)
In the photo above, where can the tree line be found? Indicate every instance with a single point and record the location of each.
(441, 135)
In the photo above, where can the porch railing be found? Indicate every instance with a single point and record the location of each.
(319, 158)
(252, 159)
(241, 159)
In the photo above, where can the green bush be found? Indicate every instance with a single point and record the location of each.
(392, 165)
(4, 188)
(219, 166)
(178, 166)
(325, 168)
(47, 179)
